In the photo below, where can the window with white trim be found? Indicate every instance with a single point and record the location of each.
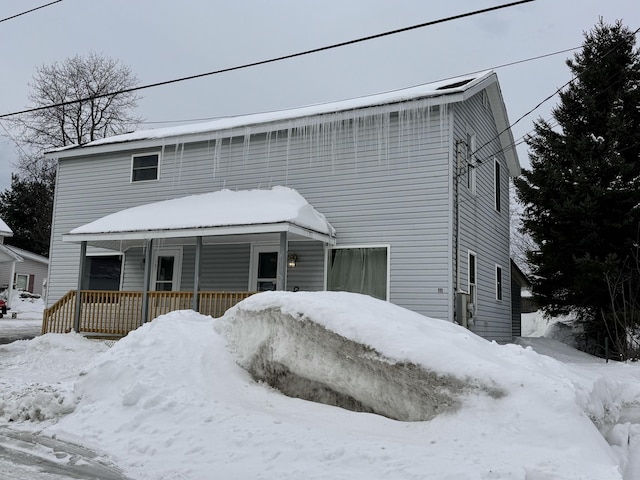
(496, 185)
(471, 162)
(22, 281)
(472, 276)
(103, 272)
(498, 282)
(359, 270)
(145, 167)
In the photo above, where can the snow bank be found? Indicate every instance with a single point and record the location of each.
(35, 376)
(169, 401)
(291, 342)
(26, 305)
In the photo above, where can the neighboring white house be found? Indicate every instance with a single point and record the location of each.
(413, 185)
(28, 270)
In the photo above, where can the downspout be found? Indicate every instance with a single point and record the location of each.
(456, 236)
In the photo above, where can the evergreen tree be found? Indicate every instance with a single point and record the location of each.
(581, 196)
(26, 208)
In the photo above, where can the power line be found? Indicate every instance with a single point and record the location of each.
(496, 67)
(271, 60)
(573, 79)
(29, 11)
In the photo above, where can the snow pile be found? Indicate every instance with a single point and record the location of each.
(35, 382)
(171, 400)
(277, 339)
(26, 305)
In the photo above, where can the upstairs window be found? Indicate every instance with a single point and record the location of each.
(145, 167)
(496, 185)
(471, 162)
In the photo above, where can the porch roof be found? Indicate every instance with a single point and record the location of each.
(223, 213)
(5, 231)
(8, 255)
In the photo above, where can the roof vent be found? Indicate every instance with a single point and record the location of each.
(455, 84)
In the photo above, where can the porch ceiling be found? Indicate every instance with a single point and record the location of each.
(217, 217)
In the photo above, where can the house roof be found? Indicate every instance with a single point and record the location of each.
(519, 276)
(29, 255)
(437, 93)
(5, 231)
(222, 213)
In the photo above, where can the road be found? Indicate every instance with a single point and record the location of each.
(28, 456)
(18, 329)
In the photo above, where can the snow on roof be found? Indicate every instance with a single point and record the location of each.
(30, 255)
(436, 89)
(215, 209)
(5, 231)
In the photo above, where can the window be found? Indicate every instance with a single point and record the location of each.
(498, 282)
(471, 162)
(359, 270)
(103, 272)
(473, 283)
(496, 185)
(144, 167)
(22, 281)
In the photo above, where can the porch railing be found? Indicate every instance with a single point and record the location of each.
(116, 313)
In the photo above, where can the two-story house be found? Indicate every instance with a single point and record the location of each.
(401, 195)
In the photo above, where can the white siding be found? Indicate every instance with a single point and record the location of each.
(483, 229)
(377, 180)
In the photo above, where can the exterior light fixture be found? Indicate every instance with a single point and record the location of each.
(291, 260)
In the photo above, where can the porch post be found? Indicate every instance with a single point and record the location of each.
(195, 302)
(281, 281)
(148, 258)
(81, 268)
(11, 282)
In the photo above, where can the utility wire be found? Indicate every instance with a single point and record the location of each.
(496, 67)
(29, 11)
(573, 79)
(272, 60)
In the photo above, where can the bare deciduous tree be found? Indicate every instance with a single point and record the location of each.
(81, 103)
(84, 81)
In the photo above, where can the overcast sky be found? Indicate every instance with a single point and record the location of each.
(166, 39)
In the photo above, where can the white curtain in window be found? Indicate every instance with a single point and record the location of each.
(358, 270)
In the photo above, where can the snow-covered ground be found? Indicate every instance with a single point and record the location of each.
(28, 318)
(173, 401)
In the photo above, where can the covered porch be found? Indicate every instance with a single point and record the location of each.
(169, 250)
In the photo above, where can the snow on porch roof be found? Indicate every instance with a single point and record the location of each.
(443, 89)
(224, 212)
(5, 231)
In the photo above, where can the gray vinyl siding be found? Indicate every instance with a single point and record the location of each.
(27, 267)
(308, 274)
(484, 230)
(393, 191)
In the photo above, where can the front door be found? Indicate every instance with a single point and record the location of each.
(264, 268)
(167, 268)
